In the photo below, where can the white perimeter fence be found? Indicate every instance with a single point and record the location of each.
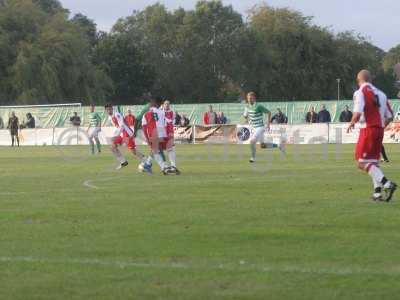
(233, 134)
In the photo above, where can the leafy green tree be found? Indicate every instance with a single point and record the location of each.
(353, 54)
(205, 54)
(391, 59)
(51, 6)
(20, 22)
(391, 67)
(155, 33)
(88, 27)
(191, 52)
(297, 57)
(56, 67)
(119, 58)
(209, 38)
(46, 58)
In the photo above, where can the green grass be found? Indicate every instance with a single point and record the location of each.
(300, 227)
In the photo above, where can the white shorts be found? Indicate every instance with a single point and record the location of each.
(257, 135)
(94, 133)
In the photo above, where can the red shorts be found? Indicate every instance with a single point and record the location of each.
(121, 140)
(164, 143)
(369, 146)
(170, 131)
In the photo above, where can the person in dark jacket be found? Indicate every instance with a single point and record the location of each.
(221, 119)
(13, 126)
(324, 115)
(30, 121)
(185, 122)
(177, 121)
(75, 120)
(279, 117)
(346, 115)
(312, 116)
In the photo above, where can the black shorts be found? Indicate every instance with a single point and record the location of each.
(14, 132)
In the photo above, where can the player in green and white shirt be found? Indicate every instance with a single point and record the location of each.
(254, 114)
(94, 129)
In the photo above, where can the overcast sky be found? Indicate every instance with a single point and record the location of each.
(378, 20)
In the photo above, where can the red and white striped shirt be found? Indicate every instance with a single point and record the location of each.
(155, 121)
(169, 118)
(373, 105)
(119, 122)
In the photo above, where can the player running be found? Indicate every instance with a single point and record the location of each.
(372, 111)
(254, 115)
(125, 136)
(94, 129)
(170, 118)
(154, 129)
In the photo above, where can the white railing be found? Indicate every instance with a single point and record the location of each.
(333, 133)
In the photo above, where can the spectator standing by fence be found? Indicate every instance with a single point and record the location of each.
(75, 120)
(210, 117)
(13, 126)
(185, 122)
(312, 116)
(1, 123)
(346, 115)
(279, 117)
(221, 119)
(30, 122)
(324, 116)
(177, 121)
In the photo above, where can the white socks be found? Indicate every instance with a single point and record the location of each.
(118, 155)
(160, 161)
(376, 184)
(253, 150)
(172, 157)
(376, 174)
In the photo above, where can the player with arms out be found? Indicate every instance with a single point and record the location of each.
(94, 129)
(170, 118)
(125, 136)
(154, 129)
(254, 115)
(372, 111)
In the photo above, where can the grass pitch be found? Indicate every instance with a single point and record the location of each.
(300, 227)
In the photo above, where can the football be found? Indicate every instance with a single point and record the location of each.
(141, 168)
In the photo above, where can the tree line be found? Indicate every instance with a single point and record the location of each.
(209, 53)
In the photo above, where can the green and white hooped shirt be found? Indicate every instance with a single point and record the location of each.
(255, 114)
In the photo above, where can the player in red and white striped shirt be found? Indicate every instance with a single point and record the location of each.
(372, 110)
(154, 129)
(124, 135)
(170, 118)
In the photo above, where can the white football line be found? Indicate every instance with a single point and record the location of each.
(239, 266)
(90, 183)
